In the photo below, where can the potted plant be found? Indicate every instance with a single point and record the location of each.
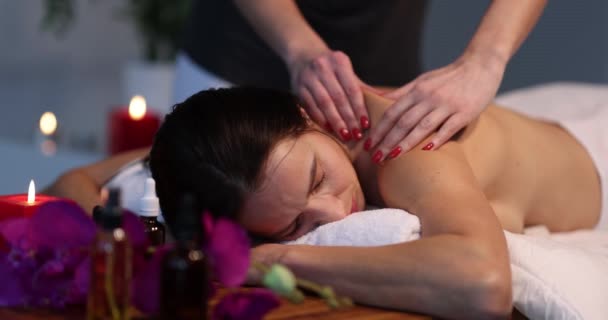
(158, 24)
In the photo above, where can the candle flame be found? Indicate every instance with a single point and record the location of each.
(48, 123)
(31, 193)
(137, 108)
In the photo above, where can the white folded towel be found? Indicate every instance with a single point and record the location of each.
(555, 276)
(366, 228)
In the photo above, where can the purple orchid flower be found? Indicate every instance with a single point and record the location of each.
(44, 259)
(45, 250)
(227, 245)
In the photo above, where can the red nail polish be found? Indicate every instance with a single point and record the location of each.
(357, 134)
(395, 152)
(367, 144)
(364, 122)
(328, 126)
(428, 146)
(377, 156)
(345, 134)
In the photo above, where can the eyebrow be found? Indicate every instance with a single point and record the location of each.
(313, 174)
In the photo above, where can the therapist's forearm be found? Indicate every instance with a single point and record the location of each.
(282, 26)
(504, 27)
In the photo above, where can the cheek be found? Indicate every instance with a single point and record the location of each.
(339, 178)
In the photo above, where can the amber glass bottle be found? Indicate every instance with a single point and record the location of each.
(111, 254)
(185, 275)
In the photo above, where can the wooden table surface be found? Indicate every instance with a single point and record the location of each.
(311, 308)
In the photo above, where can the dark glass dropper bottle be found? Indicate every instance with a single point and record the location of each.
(149, 210)
(184, 271)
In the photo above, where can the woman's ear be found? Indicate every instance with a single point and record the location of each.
(311, 123)
(305, 115)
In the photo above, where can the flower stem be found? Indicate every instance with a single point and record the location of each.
(325, 292)
(261, 267)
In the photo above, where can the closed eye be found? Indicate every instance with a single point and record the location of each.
(318, 184)
(296, 227)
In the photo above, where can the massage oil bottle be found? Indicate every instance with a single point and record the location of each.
(184, 272)
(111, 254)
(149, 210)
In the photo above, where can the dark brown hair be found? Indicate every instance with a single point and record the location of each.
(215, 144)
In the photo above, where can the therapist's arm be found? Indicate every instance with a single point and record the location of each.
(282, 26)
(504, 27)
(447, 99)
(83, 184)
(322, 78)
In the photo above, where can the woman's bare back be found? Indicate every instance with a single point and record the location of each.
(532, 172)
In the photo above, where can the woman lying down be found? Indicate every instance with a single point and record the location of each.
(253, 154)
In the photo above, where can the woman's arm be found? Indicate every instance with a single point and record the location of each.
(458, 269)
(83, 184)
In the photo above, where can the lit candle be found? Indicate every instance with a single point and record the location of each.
(22, 205)
(133, 127)
(48, 123)
(48, 129)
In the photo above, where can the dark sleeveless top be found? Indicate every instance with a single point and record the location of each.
(381, 37)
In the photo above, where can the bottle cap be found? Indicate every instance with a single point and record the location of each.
(112, 214)
(98, 214)
(148, 204)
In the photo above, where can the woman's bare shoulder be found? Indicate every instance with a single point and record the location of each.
(403, 180)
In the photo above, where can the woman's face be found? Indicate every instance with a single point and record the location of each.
(307, 182)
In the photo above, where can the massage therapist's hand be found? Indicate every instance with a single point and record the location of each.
(331, 92)
(446, 100)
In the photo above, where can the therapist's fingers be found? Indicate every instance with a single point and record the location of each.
(340, 101)
(388, 121)
(352, 88)
(311, 107)
(329, 110)
(343, 108)
(422, 129)
(387, 146)
(448, 129)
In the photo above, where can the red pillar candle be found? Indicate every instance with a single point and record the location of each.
(22, 205)
(131, 128)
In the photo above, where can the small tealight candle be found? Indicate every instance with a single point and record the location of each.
(132, 128)
(46, 136)
(22, 205)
